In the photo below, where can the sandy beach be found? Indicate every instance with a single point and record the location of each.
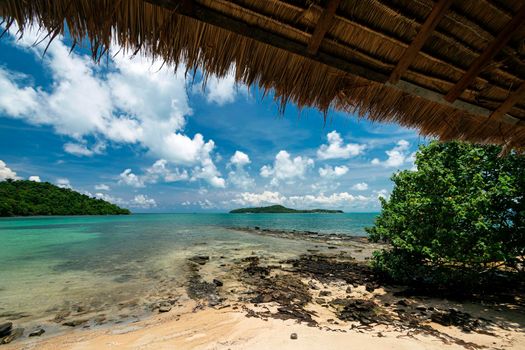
(327, 298)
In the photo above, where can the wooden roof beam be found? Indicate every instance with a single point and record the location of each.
(487, 55)
(437, 13)
(515, 97)
(322, 26)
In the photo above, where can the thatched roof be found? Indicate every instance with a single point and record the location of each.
(452, 69)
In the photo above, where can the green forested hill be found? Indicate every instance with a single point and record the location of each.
(27, 198)
(277, 209)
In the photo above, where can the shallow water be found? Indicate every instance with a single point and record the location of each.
(97, 263)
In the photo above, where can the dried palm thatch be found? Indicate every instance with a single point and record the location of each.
(272, 44)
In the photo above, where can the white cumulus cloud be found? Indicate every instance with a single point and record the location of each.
(238, 176)
(138, 101)
(102, 187)
(6, 173)
(63, 183)
(337, 149)
(34, 178)
(143, 201)
(362, 186)
(286, 169)
(333, 172)
(397, 156)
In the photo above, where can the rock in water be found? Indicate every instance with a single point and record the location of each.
(37, 333)
(293, 336)
(5, 329)
(15, 334)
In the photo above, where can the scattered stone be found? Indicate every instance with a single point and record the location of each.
(61, 316)
(37, 333)
(361, 310)
(5, 329)
(164, 308)
(402, 302)
(14, 334)
(75, 323)
(312, 285)
(100, 320)
(293, 336)
(325, 293)
(217, 282)
(348, 290)
(199, 259)
(459, 319)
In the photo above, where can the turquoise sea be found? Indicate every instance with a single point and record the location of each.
(112, 263)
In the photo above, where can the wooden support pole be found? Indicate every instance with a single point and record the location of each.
(515, 97)
(487, 55)
(437, 13)
(322, 26)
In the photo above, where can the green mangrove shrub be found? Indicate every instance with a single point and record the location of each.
(459, 216)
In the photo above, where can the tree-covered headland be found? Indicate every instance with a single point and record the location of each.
(28, 198)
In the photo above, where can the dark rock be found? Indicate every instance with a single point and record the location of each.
(100, 320)
(462, 320)
(370, 288)
(348, 290)
(37, 332)
(325, 293)
(5, 329)
(293, 336)
(15, 334)
(402, 302)
(61, 316)
(164, 308)
(312, 285)
(218, 282)
(75, 323)
(199, 259)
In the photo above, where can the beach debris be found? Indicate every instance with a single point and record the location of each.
(329, 269)
(37, 332)
(462, 320)
(293, 336)
(198, 289)
(364, 311)
(289, 293)
(13, 335)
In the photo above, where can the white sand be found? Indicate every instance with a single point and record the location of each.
(230, 329)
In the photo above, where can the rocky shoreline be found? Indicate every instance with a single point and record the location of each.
(329, 287)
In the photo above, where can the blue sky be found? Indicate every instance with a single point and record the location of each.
(144, 136)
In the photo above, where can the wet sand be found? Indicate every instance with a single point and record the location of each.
(327, 297)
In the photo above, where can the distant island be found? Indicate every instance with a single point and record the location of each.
(29, 198)
(279, 209)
